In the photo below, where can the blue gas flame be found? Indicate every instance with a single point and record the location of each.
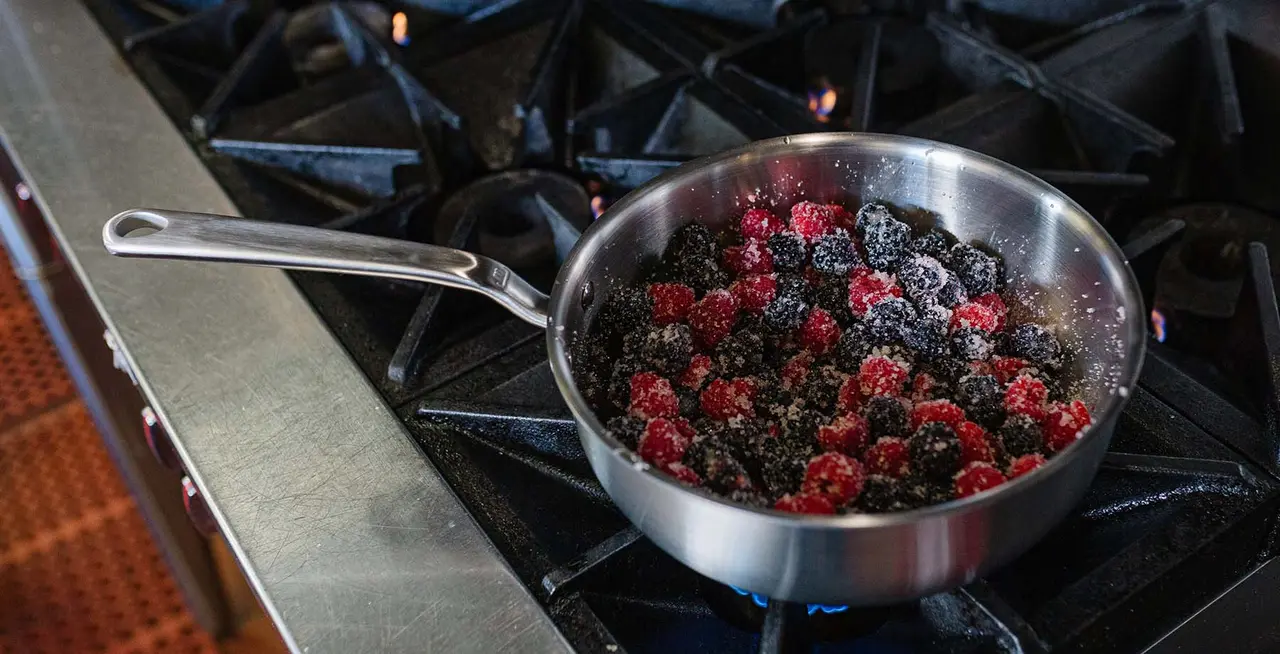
(763, 602)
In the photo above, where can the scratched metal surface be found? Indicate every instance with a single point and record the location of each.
(351, 539)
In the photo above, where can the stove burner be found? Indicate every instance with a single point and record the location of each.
(818, 622)
(320, 43)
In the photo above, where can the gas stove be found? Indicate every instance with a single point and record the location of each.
(507, 127)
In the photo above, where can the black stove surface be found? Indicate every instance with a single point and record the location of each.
(506, 127)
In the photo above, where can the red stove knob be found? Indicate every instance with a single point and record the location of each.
(158, 441)
(197, 509)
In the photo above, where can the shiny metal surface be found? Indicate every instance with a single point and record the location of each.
(163, 234)
(348, 535)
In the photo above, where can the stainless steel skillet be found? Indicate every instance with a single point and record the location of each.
(1064, 267)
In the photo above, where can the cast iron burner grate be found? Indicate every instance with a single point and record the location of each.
(509, 129)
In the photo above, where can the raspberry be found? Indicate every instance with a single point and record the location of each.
(652, 397)
(866, 288)
(713, 317)
(880, 375)
(974, 445)
(843, 219)
(942, 411)
(974, 315)
(888, 457)
(834, 253)
(925, 387)
(811, 220)
(978, 271)
(1020, 436)
(685, 428)
(935, 451)
(671, 302)
(723, 399)
(760, 224)
(696, 374)
(820, 332)
(1035, 343)
(662, 443)
(796, 369)
(1026, 395)
(847, 434)
(754, 292)
(836, 476)
(805, 503)
(849, 397)
(1063, 425)
(751, 258)
(1024, 464)
(977, 477)
(789, 251)
(886, 416)
(683, 474)
(1006, 368)
(994, 302)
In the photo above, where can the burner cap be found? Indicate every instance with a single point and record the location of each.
(746, 610)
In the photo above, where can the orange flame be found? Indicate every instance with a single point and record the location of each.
(400, 28)
(822, 102)
(598, 205)
(1157, 325)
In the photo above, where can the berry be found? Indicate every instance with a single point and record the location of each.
(941, 411)
(619, 390)
(661, 443)
(783, 461)
(928, 337)
(971, 314)
(750, 258)
(887, 320)
(805, 503)
(626, 429)
(921, 490)
(921, 277)
(671, 302)
(687, 400)
(880, 375)
(978, 271)
(591, 369)
(820, 332)
(1020, 436)
(868, 214)
(977, 477)
(867, 288)
(796, 369)
(831, 294)
(626, 310)
(798, 421)
(935, 451)
(972, 344)
(683, 474)
(666, 350)
(697, 373)
(754, 292)
(886, 416)
(834, 253)
(1063, 425)
(843, 219)
(786, 312)
(889, 457)
(1035, 343)
(652, 397)
(692, 240)
(952, 293)
(1024, 464)
(1026, 395)
(886, 242)
(793, 284)
(723, 399)
(982, 398)
(974, 444)
(812, 220)
(849, 398)
(852, 348)
(882, 494)
(925, 386)
(739, 354)
(838, 477)
(1006, 368)
(934, 244)
(714, 461)
(701, 273)
(760, 224)
(847, 434)
(713, 317)
(789, 251)
(822, 388)
(994, 302)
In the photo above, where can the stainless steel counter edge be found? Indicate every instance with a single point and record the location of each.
(350, 537)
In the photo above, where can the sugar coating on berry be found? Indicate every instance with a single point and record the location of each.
(935, 451)
(843, 219)
(978, 271)
(973, 315)
(809, 503)
(666, 349)
(921, 277)
(754, 292)
(789, 251)
(715, 462)
(671, 302)
(683, 474)
(1025, 464)
(661, 443)
(882, 494)
(975, 445)
(834, 253)
(880, 375)
(887, 320)
(820, 332)
(701, 273)
(972, 344)
(713, 317)
(760, 224)
(1006, 368)
(838, 477)
(868, 214)
(928, 337)
(849, 397)
(626, 429)
(933, 244)
(994, 302)
(867, 288)
(626, 310)
(786, 312)
(812, 220)
(885, 241)
(925, 386)
(982, 398)
(942, 411)
(1026, 395)
(847, 433)
(697, 373)
(724, 399)
(1035, 343)
(952, 293)
(1063, 426)
(888, 456)
(977, 477)
(886, 416)
(652, 397)
(692, 240)
(796, 369)
(1020, 435)
(738, 354)
(750, 258)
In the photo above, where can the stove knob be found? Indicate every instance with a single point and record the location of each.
(158, 441)
(197, 509)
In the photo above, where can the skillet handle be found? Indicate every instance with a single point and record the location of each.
(210, 237)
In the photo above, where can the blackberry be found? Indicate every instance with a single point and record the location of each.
(854, 346)
(933, 244)
(665, 350)
(921, 277)
(881, 494)
(720, 470)
(769, 388)
(742, 436)
(822, 388)
(591, 369)
(896, 353)
(886, 243)
(869, 214)
(1019, 436)
(689, 404)
(885, 417)
(949, 369)
(789, 251)
(738, 354)
(935, 451)
(626, 429)
(692, 240)
(627, 309)
(972, 344)
(834, 253)
(1034, 343)
(921, 491)
(786, 312)
(887, 319)
(791, 284)
(620, 382)
(928, 337)
(751, 497)
(952, 293)
(700, 273)
(782, 463)
(832, 295)
(978, 271)
(982, 399)
(799, 421)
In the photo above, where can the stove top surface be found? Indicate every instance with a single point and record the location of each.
(505, 128)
